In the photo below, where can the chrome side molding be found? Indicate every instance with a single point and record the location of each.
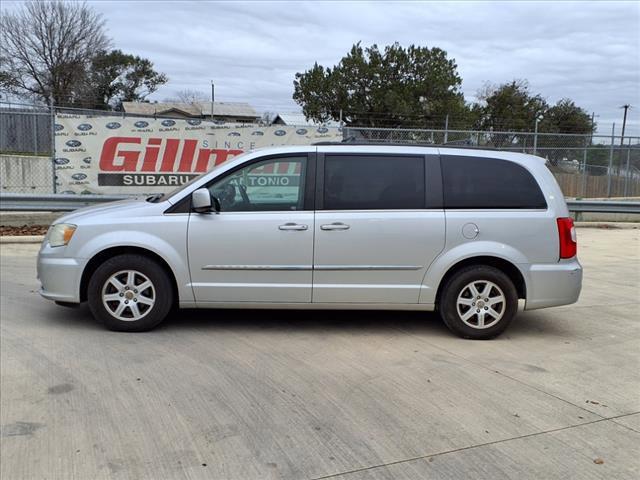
(257, 267)
(310, 267)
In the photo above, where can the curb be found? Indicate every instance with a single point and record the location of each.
(609, 225)
(21, 239)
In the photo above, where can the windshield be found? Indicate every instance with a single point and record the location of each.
(175, 191)
(161, 197)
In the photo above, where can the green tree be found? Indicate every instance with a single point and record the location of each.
(566, 117)
(393, 87)
(115, 77)
(574, 128)
(509, 108)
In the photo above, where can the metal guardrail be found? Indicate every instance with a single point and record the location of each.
(603, 206)
(27, 202)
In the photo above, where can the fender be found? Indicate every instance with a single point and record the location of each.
(441, 265)
(147, 241)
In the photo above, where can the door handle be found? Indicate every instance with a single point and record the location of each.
(293, 226)
(335, 226)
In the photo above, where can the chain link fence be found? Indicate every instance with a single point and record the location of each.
(25, 131)
(26, 153)
(586, 166)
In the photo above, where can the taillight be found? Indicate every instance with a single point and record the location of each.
(567, 237)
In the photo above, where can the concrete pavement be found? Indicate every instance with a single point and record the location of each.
(344, 395)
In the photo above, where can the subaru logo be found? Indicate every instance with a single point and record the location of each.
(113, 125)
(86, 160)
(279, 133)
(323, 130)
(258, 132)
(168, 123)
(78, 176)
(234, 134)
(301, 131)
(58, 127)
(141, 124)
(194, 122)
(61, 161)
(73, 143)
(83, 127)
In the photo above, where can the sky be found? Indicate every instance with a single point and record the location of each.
(586, 51)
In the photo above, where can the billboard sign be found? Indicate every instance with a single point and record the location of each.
(128, 155)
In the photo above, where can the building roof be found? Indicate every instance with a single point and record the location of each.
(298, 119)
(196, 109)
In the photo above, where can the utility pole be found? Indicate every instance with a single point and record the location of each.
(624, 122)
(213, 97)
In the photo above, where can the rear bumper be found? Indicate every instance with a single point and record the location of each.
(551, 285)
(59, 276)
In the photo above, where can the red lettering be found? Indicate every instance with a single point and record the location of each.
(268, 168)
(151, 155)
(169, 157)
(224, 155)
(186, 159)
(283, 167)
(221, 156)
(114, 160)
(108, 155)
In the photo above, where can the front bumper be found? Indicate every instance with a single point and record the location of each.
(551, 285)
(59, 276)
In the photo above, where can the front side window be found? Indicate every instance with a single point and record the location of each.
(271, 185)
(373, 182)
(473, 183)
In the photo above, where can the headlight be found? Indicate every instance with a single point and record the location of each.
(60, 234)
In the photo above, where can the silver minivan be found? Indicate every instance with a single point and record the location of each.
(472, 234)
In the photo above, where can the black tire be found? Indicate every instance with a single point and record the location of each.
(150, 316)
(454, 287)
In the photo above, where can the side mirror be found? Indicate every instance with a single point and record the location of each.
(201, 201)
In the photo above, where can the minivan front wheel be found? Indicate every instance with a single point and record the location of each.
(130, 293)
(478, 302)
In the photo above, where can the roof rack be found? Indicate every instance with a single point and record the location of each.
(400, 144)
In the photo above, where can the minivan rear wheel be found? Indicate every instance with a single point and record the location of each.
(130, 293)
(478, 302)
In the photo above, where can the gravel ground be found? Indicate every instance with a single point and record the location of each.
(23, 230)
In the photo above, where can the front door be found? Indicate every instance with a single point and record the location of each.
(259, 248)
(379, 226)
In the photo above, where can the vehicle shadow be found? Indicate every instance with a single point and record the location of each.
(302, 320)
(415, 322)
(526, 324)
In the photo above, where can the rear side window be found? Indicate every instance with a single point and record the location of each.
(373, 182)
(473, 183)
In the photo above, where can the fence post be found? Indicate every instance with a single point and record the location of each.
(627, 172)
(584, 170)
(34, 119)
(446, 129)
(53, 142)
(535, 138)
(613, 132)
